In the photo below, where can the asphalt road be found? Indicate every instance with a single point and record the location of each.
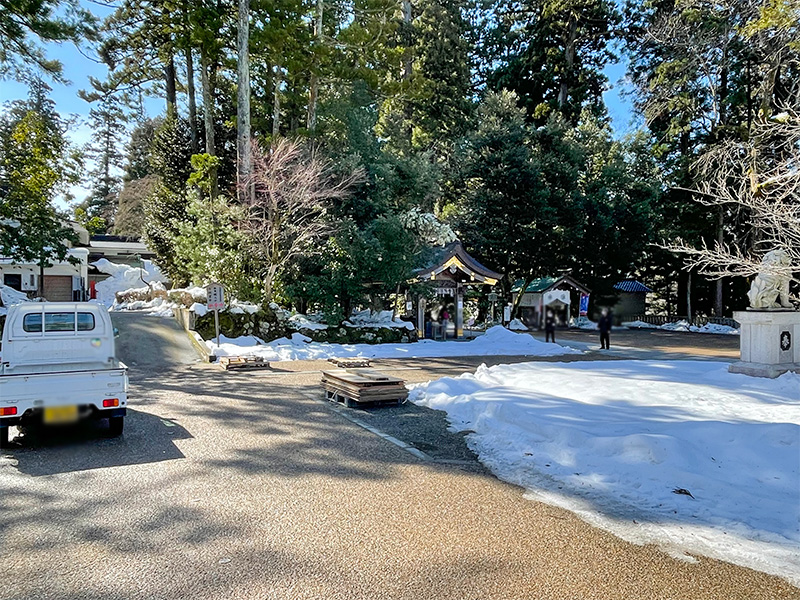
(249, 486)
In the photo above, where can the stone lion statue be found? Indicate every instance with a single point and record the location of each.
(768, 287)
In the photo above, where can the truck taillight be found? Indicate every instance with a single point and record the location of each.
(8, 411)
(110, 402)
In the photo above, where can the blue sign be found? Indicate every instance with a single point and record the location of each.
(584, 308)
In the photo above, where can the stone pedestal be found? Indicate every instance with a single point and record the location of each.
(769, 342)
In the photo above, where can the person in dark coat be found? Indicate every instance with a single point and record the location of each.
(604, 325)
(550, 327)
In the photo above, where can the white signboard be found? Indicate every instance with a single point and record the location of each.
(216, 296)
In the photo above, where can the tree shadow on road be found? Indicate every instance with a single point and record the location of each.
(147, 438)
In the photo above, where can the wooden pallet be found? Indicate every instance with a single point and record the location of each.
(363, 386)
(243, 363)
(351, 363)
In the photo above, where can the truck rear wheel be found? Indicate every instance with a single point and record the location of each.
(3, 437)
(115, 425)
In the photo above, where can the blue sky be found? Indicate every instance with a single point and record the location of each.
(78, 67)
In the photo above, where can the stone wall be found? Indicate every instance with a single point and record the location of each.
(269, 325)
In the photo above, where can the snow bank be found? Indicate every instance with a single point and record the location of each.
(157, 307)
(517, 325)
(716, 328)
(583, 323)
(237, 307)
(244, 341)
(639, 325)
(368, 319)
(497, 341)
(613, 441)
(312, 323)
(10, 296)
(684, 325)
(123, 278)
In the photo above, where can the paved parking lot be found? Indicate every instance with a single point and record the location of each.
(249, 485)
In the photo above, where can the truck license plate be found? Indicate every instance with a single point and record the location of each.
(58, 415)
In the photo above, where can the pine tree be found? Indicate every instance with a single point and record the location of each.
(108, 119)
(24, 24)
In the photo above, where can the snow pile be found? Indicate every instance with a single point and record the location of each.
(716, 328)
(678, 326)
(639, 325)
(583, 323)
(245, 341)
(684, 325)
(199, 309)
(123, 278)
(517, 325)
(10, 296)
(310, 322)
(497, 341)
(368, 319)
(157, 307)
(238, 307)
(623, 444)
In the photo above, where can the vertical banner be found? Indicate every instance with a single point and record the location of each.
(584, 307)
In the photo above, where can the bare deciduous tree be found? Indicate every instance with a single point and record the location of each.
(290, 188)
(760, 176)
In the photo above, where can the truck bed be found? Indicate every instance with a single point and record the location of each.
(29, 370)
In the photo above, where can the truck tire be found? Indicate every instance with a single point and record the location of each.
(115, 425)
(3, 437)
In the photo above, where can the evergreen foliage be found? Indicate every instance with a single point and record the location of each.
(36, 164)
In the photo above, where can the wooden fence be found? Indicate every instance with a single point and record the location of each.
(698, 321)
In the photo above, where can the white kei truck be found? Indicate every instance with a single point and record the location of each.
(57, 366)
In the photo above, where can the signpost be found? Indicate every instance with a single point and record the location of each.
(216, 302)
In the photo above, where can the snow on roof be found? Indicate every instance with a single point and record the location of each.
(543, 284)
(631, 285)
(138, 246)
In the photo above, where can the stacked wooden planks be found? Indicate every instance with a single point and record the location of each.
(351, 363)
(363, 386)
(243, 363)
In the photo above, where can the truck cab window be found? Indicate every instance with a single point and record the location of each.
(59, 321)
(32, 323)
(85, 321)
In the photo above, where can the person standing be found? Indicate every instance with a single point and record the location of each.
(445, 323)
(604, 325)
(550, 327)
